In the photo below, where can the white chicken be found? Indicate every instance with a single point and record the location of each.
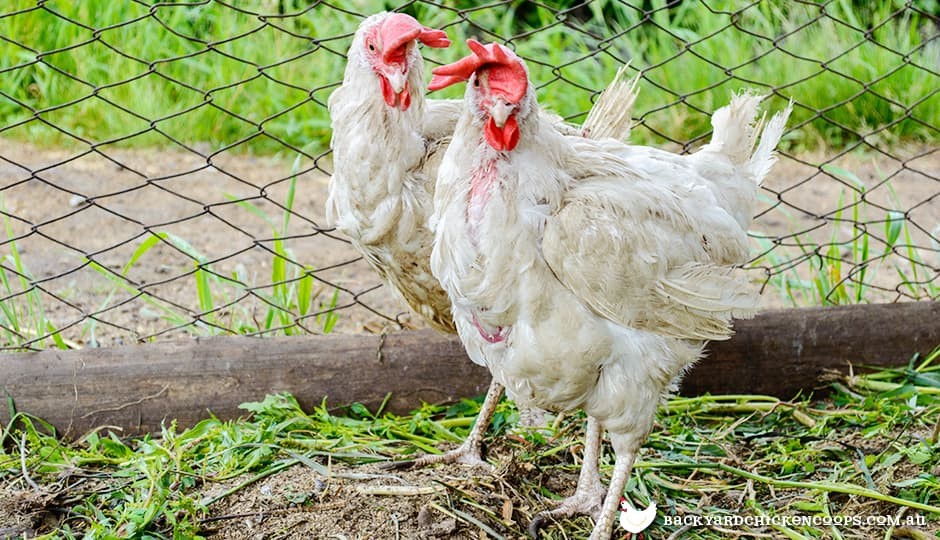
(587, 274)
(387, 143)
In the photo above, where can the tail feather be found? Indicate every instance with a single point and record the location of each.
(763, 159)
(736, 130)
(610, 117)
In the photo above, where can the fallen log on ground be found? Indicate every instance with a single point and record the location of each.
(780, 353)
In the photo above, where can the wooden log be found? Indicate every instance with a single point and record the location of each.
(137, 387)
(779, 353)
(784, 352)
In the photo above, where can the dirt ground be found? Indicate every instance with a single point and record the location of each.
(175, 192)
(353, 503)
(358, 504)
(46, 192)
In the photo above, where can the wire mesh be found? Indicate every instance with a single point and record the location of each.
(163, 166)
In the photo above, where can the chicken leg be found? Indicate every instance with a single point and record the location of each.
(626, 447)
(588, 497)
(470, 452)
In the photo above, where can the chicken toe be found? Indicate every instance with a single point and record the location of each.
(588, 497)
(471, 451)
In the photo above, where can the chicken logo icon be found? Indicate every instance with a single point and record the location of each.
(636, 521)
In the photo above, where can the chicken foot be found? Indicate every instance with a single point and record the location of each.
(588, 497)
(471, 451)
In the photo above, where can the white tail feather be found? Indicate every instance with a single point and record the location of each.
(736, 130)
(763, 159)
(610, 117)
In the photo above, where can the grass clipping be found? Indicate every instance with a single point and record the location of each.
(862, 463)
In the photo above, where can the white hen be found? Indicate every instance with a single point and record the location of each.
(385, 147)
(586, 274)
(387, 143)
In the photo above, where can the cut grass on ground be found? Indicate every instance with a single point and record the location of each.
(839, 467)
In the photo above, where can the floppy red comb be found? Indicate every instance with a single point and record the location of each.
(507, 75)
(399, 29)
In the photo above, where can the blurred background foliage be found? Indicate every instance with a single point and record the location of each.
(255, 75)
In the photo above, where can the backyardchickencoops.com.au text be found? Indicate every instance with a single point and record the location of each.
(913, 520)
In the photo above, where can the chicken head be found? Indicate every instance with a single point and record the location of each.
(500, 83)
(387, 47)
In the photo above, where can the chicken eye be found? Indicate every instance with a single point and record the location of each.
(372, 47)
(476, 83)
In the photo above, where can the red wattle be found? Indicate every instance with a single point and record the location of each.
(505, 138)
(390, 97)
(400, 100)
(494, 135)
(405, 97)
(511, 133)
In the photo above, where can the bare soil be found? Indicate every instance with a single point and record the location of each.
(69, 204)
(47, 192)
(302, 503)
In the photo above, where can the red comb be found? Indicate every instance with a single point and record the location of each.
(507, 75)
(398, 29)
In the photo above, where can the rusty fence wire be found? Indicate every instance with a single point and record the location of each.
(163, 165)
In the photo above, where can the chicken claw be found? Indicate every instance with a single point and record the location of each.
(588, 497)
(471, 451)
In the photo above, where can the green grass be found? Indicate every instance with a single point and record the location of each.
(22, 315)
(850, 267)
(871, 448)
(128, 74)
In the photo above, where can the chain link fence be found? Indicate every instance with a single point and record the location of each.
(163, 166)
